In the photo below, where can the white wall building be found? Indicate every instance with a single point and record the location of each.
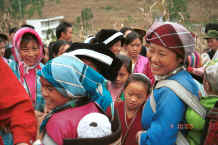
(43, 25)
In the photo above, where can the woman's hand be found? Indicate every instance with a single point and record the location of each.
(138, 136)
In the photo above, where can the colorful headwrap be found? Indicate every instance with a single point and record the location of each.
(17, 40)
(72, 78)
(172, 36)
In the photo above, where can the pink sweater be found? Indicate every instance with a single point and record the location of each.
(143, 66)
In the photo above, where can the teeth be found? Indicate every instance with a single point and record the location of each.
(155, 66)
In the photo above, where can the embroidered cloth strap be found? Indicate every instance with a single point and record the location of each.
(186, 96)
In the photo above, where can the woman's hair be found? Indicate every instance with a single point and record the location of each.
(27, 38)
(55, 46)
(124, 29)
(126, 61)
(131, 37)
(139, 77)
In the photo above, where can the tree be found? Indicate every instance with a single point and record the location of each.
(14, 11)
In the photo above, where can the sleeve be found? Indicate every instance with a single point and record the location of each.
(16, 109)
(40, 102)
(165, 123)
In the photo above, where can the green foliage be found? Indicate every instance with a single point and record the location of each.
(84, 21)
(178, 10)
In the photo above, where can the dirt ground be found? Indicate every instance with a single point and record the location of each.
(118, 13)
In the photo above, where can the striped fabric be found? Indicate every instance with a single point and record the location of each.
(172, 36)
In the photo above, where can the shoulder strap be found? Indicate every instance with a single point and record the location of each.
(186, 96)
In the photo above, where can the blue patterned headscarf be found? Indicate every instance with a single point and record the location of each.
(74, 79)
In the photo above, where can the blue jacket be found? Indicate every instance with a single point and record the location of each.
(161, 128)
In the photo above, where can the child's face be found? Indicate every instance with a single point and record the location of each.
(135, 95)
(62, 49)
(134, 48)
(116, 48)
(30, 53)
(122, 77)
(52, 97)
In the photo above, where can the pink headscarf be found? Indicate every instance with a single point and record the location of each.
(27, 73)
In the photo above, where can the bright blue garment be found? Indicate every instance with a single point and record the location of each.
(161, 128)
(39, 103)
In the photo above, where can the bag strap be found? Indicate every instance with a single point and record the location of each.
(186, 96)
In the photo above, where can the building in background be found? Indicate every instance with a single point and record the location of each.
(46, 27)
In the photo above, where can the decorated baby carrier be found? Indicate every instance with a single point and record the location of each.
(113, 139)
(186, 96)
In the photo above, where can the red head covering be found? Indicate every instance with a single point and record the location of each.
(172, 36)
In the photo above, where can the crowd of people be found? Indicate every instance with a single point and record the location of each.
(118, 87)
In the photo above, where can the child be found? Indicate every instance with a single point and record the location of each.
(27, 52)
(112, 39)
(136, 91)
(140, 64)
(116, 87)
(58, 48)
(69, 87)
(211, 87)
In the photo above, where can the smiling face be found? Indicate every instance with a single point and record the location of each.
(162, 60)
(30, 52)
(52, 97)
(116, 48)
(135, 94)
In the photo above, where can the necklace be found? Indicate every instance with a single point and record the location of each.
(133, 118)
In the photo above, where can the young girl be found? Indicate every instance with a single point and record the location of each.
(112, 39)
(27, 52)
(116, 87)
(140, 64)
(57, 48)
(136, 91)
(69, 87)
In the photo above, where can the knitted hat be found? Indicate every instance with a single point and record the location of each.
(109, 37)
(211, 74)
(193, 60)
(94, 125)
(107, 63)
(172, 36)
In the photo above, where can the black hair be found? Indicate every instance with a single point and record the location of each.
(62, 27)
(3, 37)
(27, 25)
(139, 77)
(12, 30)
(131, 37)
(124, 29)
(28, 37)
(108, 71)
(55, 46)
(126, 61)
(211, 26)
